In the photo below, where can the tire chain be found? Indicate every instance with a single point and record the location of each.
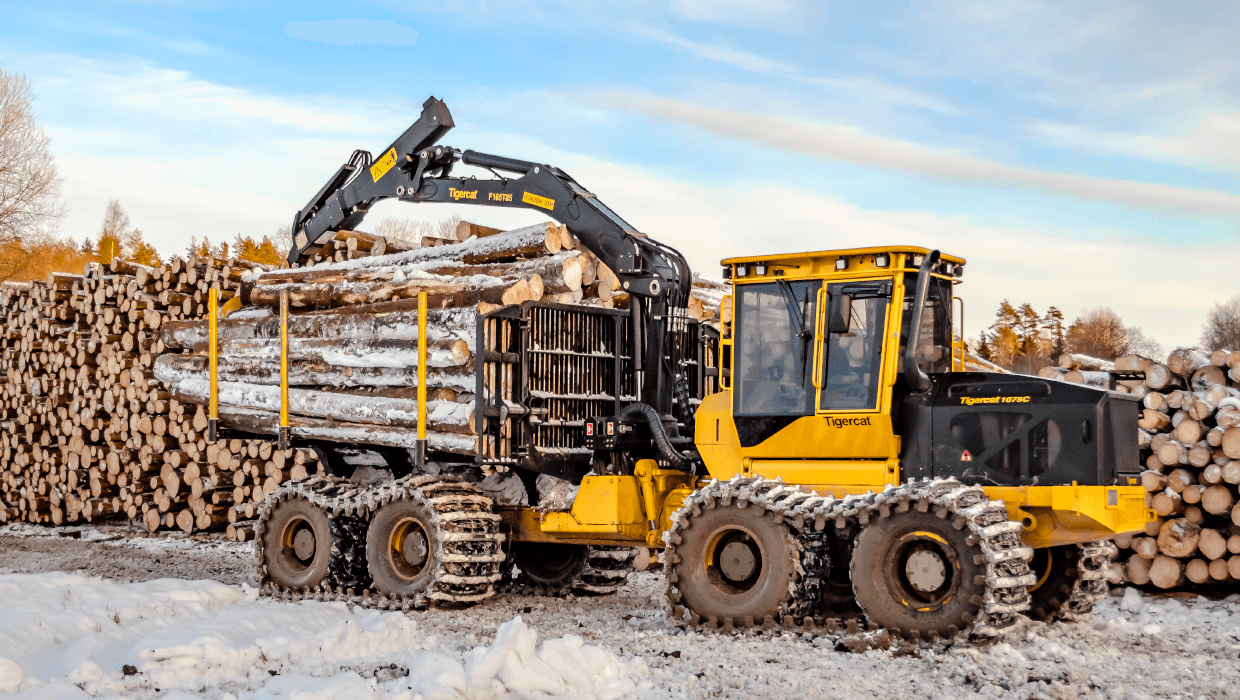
(469, 540)
(1094, 573)
(807, 515)
(606, 571)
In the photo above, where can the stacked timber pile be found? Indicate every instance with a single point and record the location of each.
(1190, 439)
(353, 335)
(87, 431)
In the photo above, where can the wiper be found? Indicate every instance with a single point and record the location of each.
(797, 315)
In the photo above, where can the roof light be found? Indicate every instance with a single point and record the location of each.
(727, 272)
(759, 269)
(882, 260)
(841, 263)
(917, 260)
(742, 270)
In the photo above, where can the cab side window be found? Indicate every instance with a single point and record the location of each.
(852, 366)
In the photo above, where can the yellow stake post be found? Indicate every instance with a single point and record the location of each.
(213, 358)
(421, 444)
(283, 431)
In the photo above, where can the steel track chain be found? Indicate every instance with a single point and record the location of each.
(808, 514)
(1095, 572)
(469, 552)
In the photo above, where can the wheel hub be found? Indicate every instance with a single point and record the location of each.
(304, 544)
(408, 548)
(737, 561)
(414, 548)
(925, 571)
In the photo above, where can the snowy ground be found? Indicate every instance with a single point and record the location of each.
(72, 634)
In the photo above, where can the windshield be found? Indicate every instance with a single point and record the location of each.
(773, 376)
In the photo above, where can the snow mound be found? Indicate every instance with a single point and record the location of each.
(564, 666)
(63, 635)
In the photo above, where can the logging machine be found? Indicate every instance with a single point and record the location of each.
(820, 457)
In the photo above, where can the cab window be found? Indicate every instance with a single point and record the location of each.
(852, 362)
(773, 348)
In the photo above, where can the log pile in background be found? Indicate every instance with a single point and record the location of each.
(353, 334)
(87, 431)
(1190, 440)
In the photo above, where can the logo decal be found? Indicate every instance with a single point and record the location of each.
(456, 194)
(970, 400)
(966, 457)
(848, 422)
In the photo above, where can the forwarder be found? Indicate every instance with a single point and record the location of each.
(822, 457)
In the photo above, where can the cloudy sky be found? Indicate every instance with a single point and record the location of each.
(1076, 153)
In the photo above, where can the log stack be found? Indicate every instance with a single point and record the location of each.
(89, 433)
(353, 334)
(1189, 433)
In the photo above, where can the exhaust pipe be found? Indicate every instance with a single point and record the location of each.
(916, 379)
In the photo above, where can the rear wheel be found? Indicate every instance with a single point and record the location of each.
(735, 565)
(403, 548)
(298, 541)
(913, 572)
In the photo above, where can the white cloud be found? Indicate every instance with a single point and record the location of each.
(1072, 269)
(353, 32)
(863, 89)
(772, 14)
(835, 142)
(1211, 142)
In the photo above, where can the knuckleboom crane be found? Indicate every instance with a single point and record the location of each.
(833, 462)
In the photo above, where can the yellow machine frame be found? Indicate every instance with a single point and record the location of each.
(812, 453)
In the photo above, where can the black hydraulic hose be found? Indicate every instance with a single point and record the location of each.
(913, 376)
(661, 441)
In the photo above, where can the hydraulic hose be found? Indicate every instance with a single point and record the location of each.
(661, 440)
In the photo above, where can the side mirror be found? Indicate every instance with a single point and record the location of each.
(839, 313)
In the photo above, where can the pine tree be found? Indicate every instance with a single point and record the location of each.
(1052, 322)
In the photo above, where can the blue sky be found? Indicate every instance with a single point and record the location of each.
(1078, 154)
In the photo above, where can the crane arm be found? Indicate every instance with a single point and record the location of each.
(414, 169)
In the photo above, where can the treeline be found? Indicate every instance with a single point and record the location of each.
(34, 256)
(1023, 340)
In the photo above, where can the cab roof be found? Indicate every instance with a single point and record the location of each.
(821, 254)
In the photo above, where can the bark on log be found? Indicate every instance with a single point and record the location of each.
(442, 416)
(174, 368)
(350, 352)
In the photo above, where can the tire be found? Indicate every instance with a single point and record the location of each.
(711, 582)
(546, 568)
(1056, 569)
(404, 551)
(297, 545)
(900, 587)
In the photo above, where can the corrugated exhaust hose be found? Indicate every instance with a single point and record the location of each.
(917, 379)
(661, 440)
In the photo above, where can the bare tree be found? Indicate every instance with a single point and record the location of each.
(1222, 327)
(1098, 333)
(413, 230)
(282, 239)
(1141, 345)
(29, 184)
(400, 229)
